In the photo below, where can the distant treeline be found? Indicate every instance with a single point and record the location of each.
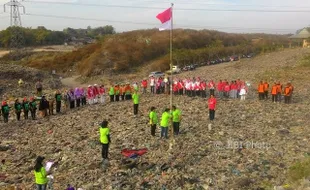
(42, 36)
(126, 52)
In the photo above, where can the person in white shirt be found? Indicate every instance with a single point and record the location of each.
(152, 84)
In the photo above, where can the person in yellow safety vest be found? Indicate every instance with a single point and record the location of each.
(287, 93)
(266, 90)
(111, 93)
(153, 120)
(261, 90)
(164, 123)
(136, 99)
(40, 174)
(176, 118)
(105, 140)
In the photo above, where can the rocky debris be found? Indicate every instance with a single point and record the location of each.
(250, 144)
(11, 73)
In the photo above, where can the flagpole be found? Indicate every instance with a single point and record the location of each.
(171, 82)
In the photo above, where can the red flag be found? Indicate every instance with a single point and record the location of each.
(165, 18)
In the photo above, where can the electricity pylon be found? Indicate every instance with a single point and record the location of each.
(17, 38)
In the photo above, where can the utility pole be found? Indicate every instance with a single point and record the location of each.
(17, 38)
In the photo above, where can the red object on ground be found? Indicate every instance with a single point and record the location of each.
(139, 152)
(49, 131)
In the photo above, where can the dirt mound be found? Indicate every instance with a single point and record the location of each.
(10, 75)
(250, 145)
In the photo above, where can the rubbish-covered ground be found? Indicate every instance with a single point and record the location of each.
(250, 145)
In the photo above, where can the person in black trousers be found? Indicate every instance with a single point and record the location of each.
(58, 101)
(33, 108)
(18, 109)
(26, 108)
(105, 139)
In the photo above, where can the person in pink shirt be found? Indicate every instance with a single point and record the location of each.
(90, 94)
(95, 93)
(212, 105)
(102, 94)
(220, 88)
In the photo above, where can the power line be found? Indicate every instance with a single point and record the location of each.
(176, 9)
(156, 24)
(225, 4)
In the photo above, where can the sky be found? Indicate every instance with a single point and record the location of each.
(244, 16)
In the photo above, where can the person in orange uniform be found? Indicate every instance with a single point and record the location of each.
(117, 92)
(266, 89)
(279, 92)
(261, 90)
(292, 89)
(274, 90)
(122, 91)
(287, 93)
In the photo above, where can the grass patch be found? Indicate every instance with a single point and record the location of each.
(299, 170)
(305, 62)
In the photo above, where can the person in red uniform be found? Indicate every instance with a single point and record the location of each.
(144, 86)
(220, 88)
(212, 105)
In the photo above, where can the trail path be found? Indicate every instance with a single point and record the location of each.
(72, 82)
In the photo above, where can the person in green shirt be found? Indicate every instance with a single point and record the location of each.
(104, 139)
(135, 98)
(176, 118)
(153, 120)
(112, 93)
(5, 109)
(18, 109)
(40, 174)
(25, 106)
(58, 98)
(164, 123)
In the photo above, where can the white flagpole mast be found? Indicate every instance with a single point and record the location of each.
(171, 82)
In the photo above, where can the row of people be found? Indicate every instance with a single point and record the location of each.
(277, 91)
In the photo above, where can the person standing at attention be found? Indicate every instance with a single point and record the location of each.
(18, 109)
(58, 101)
(105, 140)
(212, 104)
(135, 98)
(176, 118)
(153, 120)
(164, 123)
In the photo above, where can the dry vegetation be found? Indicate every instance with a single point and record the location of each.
(126, 52)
